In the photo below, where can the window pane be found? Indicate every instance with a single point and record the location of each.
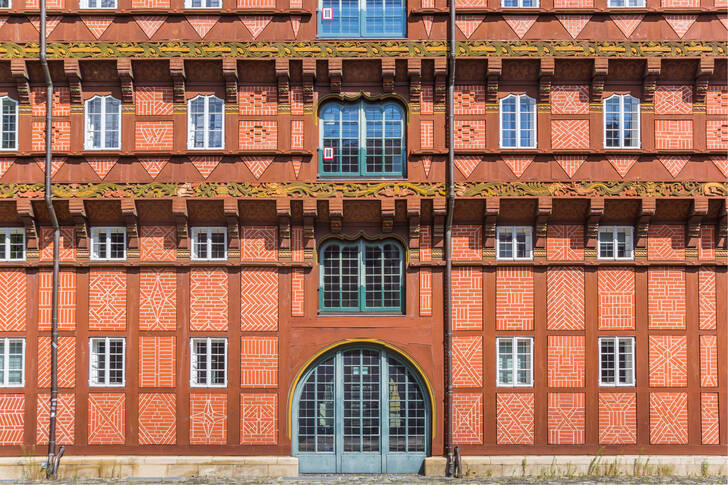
(524, 362)
(505, 361)
(526, 122)
(522, 243)
(508, 122)
(607, 357)
(201, 244)
(116, 361)
(373, 276)
(9, 124)
(218, 245)
(606, 243)
(505, 244)
(624, 244)
(200, 361)
(625, 361)
(17, 244)
(99, 361)
(117, 245)
(217, 362)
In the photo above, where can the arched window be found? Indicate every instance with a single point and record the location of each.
(361, 276)
(518, 121)
(205, 123)
(362, 139)
(103, 123)
(362, 18)
(621, 121)
(9, 127)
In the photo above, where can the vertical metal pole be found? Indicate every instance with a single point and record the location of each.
(51, 464)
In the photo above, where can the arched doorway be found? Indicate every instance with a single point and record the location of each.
(361, 409)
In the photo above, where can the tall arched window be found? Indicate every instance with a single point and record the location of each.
(362, 139)
(361, 276)
(103, 123)
(362, 18)
(621, 121)
(205, 123)
(518, 121)
(9, 126)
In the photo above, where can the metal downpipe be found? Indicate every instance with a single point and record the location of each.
(450, 199)
(51, 465)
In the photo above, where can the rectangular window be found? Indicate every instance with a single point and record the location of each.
(208, 363)
(12, 244)
(12, 362)
(209, 243)
(97, 4)
(626, 3)
(362, 18)
(615, 242)
(203, 3)
(9, 133)
(5, 4)
(106, 363)
(108, 243)
(515, 242)
(515, 361)
(616, 361)
(519, 4)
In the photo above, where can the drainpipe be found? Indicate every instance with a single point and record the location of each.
(450, 199)
(54, 458)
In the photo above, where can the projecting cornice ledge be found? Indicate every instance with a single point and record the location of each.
(371, 190)
(323, 49)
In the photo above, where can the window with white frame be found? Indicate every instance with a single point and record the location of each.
(209, 243)
(108, 243)
(5, 3)
(208, 367)
(103, 123)
(625, 3)
(514, 242)
(106, 364)
(9, 133)
(519, 3)
(205, 122)
(616, 361)
(515, 361)
(621, 121)
(203, 3)
(12, 244)
(518, 121)
(12, 362)
(89, 4)
(615, 242)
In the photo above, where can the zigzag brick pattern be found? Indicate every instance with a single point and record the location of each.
(65, 419)
(666, 242)
(515, 418)
(258, 419)
(12, 300)
(106, 418)
(569, 134)
(566, 356)
(157, 299)
(668, 418)
(107, 299)
(707, 309)
(258, 299)
(616, 291)
(709, 418)
(565, 242)
(565, 303)
(154, 135)
(467, 361)
(666, 298)
(66, 362)
(617, 418)
(208, 299)
(467, 298)
(673, 99)
(708, 361)
(157, 361)
(514, 298)
(157, 419)
(259, 243)
(66, 299)
(208, 419)
(467, 422)
(12, 411)
(259, 362)
(668, 361)
(157, 243)
(467, 242)
(566, 418)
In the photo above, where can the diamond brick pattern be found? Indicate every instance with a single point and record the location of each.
(467, 242)
(716, 99)
(706, 249)
(12, 300)
(97, 24)
(259, 361)
(627, 23)
(256, 24)
(427, 129)
(157, 299)
(12, 409)
(67, 250)
(673, 99)
(157, 243)
(153, 100)
(65, 419)
(470, 99)
(258, 135)
(66, 362)
(669, 418)
(258, 419)
(707, 309)
(514, 298)
(520, 24)
(467, 298)
(674, 163)
(106, 418)
(257, 165)
(470, 134)
(150, 24)
(569, 134)
(468, 24)
(566, 418)
(202, 23)
(205, 164)
(668, 361)
(258, 299)
(566, 354)
(467, 422)
(60, 136)
(297, 292)
(514, 416)
(208, 419)
(709, 418)
(570, 163)
(154, 135)
(467, 361)
(466, 164)
(157, 419)
(565, 304)
(107, 299)
(573, 24)
(102, 166)
(622, 163)
(153, 165)
(666, 298)
(61, 101)
(518, 164)
(208, 299)
(425, 292)
(570, 99)
(617, 418)
(260, 100)
(66, 299)
(565, 242)
(708, 361)
(666, 242)
(157, 361)
(258, 243)
(674, 134)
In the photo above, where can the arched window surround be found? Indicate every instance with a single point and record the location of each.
(524, 132)
(9, 137)
(625, 129)
(208, 136)
(99, 133)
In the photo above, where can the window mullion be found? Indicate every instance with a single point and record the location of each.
(209, 362)
(361, 277)
(6, 360)
(362, 142)
(518, 118)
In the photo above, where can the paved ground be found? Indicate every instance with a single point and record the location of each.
(402, 480)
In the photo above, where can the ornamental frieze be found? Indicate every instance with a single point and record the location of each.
(59, 50)
(372, 190)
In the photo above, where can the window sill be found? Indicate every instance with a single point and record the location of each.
(360, 314)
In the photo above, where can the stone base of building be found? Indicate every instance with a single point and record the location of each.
(17, 468)
(581, 465)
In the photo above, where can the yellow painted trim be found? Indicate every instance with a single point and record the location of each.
(318, 354)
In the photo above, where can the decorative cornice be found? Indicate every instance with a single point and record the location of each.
(324, 190)
(326, 49)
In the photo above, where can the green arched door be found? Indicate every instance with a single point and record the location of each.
(361, 410)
